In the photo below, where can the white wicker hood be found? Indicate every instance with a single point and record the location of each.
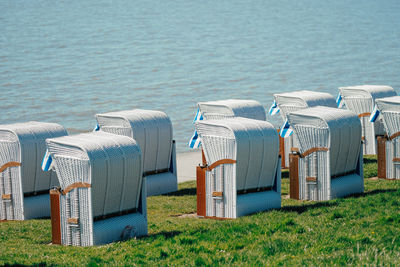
(111, 164)
(336, 129)
(232, 108)
(390, 110)
(254, 144)
(25, 143)
(151, 129)
(292, 101)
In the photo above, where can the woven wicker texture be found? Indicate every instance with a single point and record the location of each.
(151, 129)
(108, 171)
(254, 145)
(292, 101)
(222, 109)
(24, 143)
(361, 100)
(390, 114)
(153, 132)
(334, 137)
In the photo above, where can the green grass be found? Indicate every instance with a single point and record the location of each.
(358, 230)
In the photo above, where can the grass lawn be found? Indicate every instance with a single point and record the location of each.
(359, 230)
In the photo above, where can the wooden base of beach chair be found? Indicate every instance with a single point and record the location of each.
(201, 191)
(55, 217)
(382, 156)
(294, 175)
(382, 169)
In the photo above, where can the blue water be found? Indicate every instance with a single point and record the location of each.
(64, 61)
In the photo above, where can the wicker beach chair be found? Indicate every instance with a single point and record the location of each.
(242, 171)
(223, 109)
(361, 100)
(292, 101)
(329, 161)
(24, 187)
(102, 196)
(389, 145)
(153, 132)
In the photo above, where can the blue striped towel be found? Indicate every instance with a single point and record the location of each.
(374, 115)
(195, 141)
(96, 128)
(339, 100)
(274, 109)
(285, 131)
(47, 161)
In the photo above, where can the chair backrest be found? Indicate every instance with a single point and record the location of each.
(151, 129)
(361, 98)
(25, 143)
(292, 101)
(109, 165)
(336, 131)
(389, 108)
(222, 109)
(253, 144)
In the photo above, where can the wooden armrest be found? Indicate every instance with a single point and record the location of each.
(6, 196)
(217, 194)
(9, 164)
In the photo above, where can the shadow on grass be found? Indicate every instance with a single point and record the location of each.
(371, 193)
(370, 160)
(37, 264)
(166, 235)
(285, 173)
(306, 207)
(183, 192)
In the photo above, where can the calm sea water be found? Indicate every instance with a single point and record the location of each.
(64, 61)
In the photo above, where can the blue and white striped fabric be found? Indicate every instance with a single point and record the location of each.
(285, 131)
(374, 115)
(339, 100)
(47, 161)
(96, 128)
(195, 141)
(198, 117)
(274, 109)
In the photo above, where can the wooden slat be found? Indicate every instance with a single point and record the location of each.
(312, 150)
(396, 160)
(381, 157)
(201, 191)
(393, 136)
(217, 194)
(75, 185)
(73, 220)
(366, 114)
(9, 164)
(311, 179)
(294, 149)
(294, 175)
(220, 162)
(6, 196)
(55, 216)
